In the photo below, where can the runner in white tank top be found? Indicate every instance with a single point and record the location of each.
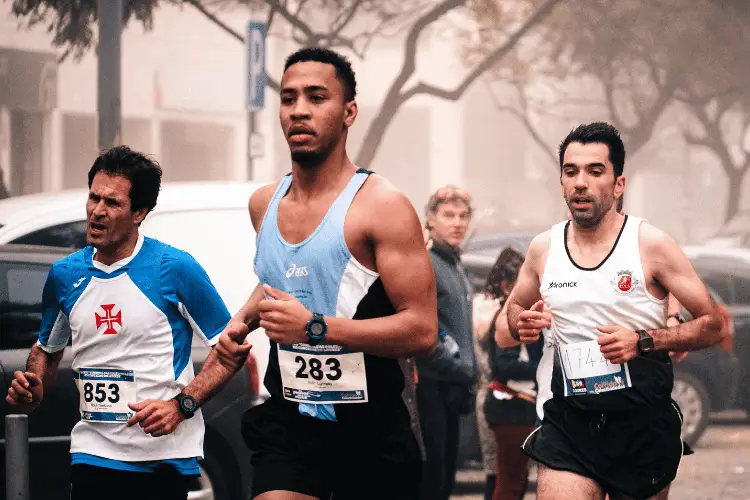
(611, 426)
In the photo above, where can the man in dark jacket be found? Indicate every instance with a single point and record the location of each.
(446, 379)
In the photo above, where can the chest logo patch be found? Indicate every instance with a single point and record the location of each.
(109, 318)
(624, 283)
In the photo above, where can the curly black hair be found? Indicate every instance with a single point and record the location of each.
(344, 71)
(506, 268)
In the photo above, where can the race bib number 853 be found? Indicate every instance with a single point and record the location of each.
(105, 394)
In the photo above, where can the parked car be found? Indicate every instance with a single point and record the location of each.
(209, 220)
(706, 381)
(226, 471)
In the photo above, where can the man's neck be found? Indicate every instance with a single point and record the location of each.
(312, 180)
(607, 229)
(109, 256)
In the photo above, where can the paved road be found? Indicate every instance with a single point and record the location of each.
(719, 469)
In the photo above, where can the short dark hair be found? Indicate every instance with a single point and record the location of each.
(143, 173)
(506, 268)
(598, 132)
(344, 71)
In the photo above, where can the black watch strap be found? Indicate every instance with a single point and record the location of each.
(187, 404)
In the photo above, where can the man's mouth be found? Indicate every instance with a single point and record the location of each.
(97, 228)
(296, 131)
(581, 202)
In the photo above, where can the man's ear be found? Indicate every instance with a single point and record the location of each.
(350, 113)
(139, 215)
(620, 185)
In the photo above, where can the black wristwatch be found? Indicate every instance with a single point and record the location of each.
(645, 341)
(678, 316)
(316, 328)
(186, 404)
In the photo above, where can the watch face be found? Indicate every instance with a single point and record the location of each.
(647, 344)
(188, 404)
(316, 328)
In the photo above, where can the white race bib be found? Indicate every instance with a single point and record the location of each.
(105, 394)
(322, 374)
(586, 370)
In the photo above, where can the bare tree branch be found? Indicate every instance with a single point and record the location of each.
(272, 83)
(488, 62)
(524, 118)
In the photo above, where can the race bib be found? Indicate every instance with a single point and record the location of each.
(586, 371)
(105, 393)
(323, 373)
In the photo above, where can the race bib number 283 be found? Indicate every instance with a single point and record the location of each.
(105, 394)
(587, 371)
(322, 373)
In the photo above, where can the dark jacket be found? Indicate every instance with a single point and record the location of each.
(506, 364)
(453, 360)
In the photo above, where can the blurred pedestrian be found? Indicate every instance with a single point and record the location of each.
(486, 304)
(510, 401)
(445, 389)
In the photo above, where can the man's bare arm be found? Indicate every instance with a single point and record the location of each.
(406, 273)
(27, 388)
(671, 267)
(503, 337)
(673, 305)
(227, 357)
(525, 293)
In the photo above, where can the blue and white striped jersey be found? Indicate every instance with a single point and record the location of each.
(132, 325)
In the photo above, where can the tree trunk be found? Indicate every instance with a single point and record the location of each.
(734, 194)
(376, 131)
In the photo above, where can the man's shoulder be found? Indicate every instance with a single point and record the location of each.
(378, 188)
(540, 243)
(71, 264)
(651, 238)
(259, 201)
(172, 257)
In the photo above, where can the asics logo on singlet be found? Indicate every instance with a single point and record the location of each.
(563, 284)
(296, 271)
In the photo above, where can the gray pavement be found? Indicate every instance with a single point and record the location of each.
(719, 469)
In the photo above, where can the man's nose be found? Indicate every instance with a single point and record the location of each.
(581, 181)
(301, 109)
(99, 209)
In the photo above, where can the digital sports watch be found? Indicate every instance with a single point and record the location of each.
(645, 342)
(316, 328)
(186, 404)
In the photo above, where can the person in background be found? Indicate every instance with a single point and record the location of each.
(509, 403)
(446, 377)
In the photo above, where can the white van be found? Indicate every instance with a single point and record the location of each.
(209, 220)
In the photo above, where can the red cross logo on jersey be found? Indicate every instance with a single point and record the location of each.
(109, 318)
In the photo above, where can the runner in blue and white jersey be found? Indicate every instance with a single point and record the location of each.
(130, 305)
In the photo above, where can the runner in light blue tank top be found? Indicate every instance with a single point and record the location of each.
(321, 272)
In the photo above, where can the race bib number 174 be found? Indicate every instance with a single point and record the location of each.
(105, 394)
(587, 371)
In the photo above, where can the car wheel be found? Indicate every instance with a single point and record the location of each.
(210, 485)
(691, 396)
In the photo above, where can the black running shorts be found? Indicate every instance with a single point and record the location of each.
(366, 460)
(633, 454)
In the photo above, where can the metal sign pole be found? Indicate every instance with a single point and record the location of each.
(256, 88)
(17, 457)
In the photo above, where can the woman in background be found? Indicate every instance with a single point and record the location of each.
(509, 407)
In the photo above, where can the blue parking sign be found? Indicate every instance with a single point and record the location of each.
(256, 65)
